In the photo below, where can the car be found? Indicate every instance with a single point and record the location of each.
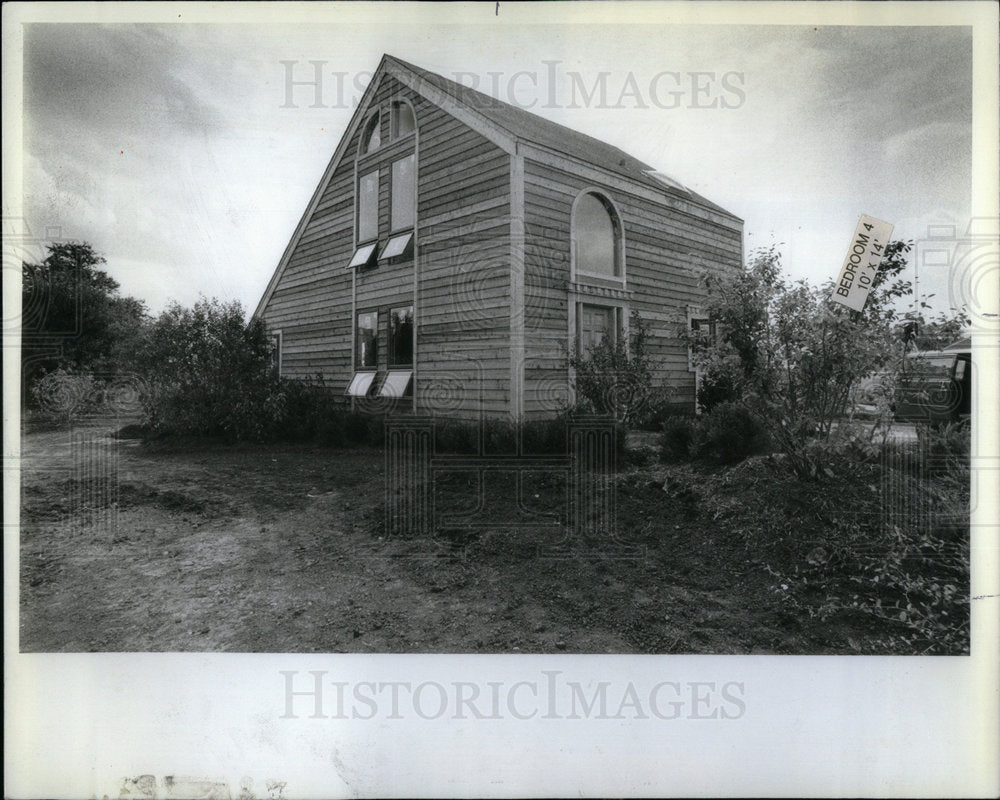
(935, 386)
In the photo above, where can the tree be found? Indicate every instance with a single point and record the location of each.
(74, 315)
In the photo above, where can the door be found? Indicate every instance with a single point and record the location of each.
(596, 322)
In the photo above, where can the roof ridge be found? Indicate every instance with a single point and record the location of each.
(527, 126)
(497, 102)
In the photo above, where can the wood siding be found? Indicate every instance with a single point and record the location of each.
(665, 249)
(462, 245)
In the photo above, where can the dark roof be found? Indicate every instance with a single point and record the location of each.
(530, 127)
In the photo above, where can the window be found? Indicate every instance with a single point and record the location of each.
(401, 336)
(276, 351)
(594, 324)
(371, 139)
(396, 383)
(702, 331)
(596, 237)
(397, 246)
(368, 206)
(367, 341)
(403, 122)
(363, 256)
(403, 194)
(361, 384)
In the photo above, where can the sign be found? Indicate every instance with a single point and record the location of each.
(861, 264)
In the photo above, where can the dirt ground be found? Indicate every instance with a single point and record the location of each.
(284, 549)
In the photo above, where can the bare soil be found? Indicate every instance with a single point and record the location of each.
(280, 548)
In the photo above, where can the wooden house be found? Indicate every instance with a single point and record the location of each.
(458, 248)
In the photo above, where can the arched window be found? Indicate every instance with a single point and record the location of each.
(372, 136)
(596, 237)
(403, 122)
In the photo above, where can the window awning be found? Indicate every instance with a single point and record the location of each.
(363, 256)
(396, 383)
(396, 246)
(361, 384)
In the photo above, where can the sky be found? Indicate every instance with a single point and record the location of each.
(179, 154)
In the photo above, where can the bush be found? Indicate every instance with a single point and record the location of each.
(613, 379)
(731, 432)
(677, 439)
(210, 373)
(727, 434)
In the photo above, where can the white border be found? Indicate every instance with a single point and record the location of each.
(75, 725)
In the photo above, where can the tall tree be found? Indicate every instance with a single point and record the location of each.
(74, 315)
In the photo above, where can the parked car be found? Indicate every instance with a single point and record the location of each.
(935, 386)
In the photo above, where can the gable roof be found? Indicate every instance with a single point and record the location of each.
(529, 127)
(505, 124)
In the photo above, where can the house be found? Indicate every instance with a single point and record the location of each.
(458, 247)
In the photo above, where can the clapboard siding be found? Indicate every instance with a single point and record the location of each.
(666, 249)
(462, 297)
(464, 241)
(465, 268)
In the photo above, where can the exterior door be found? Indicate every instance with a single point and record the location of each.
(596, 322)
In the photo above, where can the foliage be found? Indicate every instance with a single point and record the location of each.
(730, 432)
(210, 373)
(74, 318)
(614, 377)
(936, 333)
(678, 437)
(790, 354)
(899, 561)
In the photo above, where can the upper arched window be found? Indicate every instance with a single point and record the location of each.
(402, 122)
(372, 136)
(596, 236)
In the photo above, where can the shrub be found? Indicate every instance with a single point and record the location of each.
(614, 379)
(544, 436)
(730, 433)
(677, 439)
(210, 373)
(657, 409)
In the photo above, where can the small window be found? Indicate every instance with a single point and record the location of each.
(397, 246)
(396, 383)
(403, 194)
(595, 237)
(361, 384)
(401, 336)
(363, 256)
(403, 122)
(702, 331)
(595, 324)
(367, 340)
(368, 206)
(276, 352)
(371, 139)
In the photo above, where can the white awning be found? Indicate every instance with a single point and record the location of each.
(396, 383)
(362, 255)
(396, 246)
(361, 384)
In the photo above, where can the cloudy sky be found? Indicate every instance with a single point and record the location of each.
(175, 151)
